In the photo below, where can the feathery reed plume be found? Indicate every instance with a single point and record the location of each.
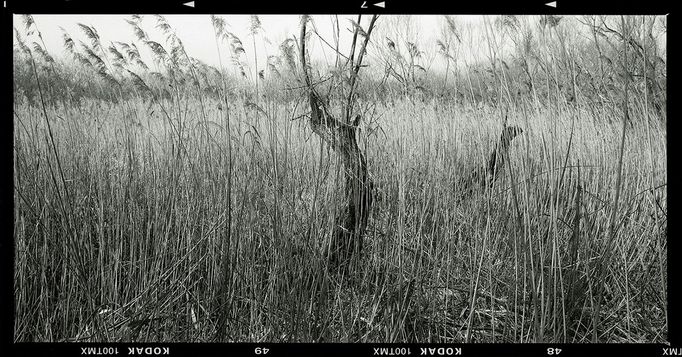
(67, 41)
(118, 60)
(92, 35)
(288, 52)
(255, 25)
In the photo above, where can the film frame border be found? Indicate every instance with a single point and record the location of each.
(534, 7)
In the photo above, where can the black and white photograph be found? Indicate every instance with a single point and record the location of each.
(336, 178)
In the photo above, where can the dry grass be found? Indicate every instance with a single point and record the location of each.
(128, 245)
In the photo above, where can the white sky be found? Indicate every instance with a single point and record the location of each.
(197, 35)
(196, 32)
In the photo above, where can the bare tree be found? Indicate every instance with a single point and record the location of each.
(340, 135)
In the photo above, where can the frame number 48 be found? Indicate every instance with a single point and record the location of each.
(553, 351)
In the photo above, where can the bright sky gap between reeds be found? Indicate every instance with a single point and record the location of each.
(196, 33)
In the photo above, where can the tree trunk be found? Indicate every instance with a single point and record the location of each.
(350, 224)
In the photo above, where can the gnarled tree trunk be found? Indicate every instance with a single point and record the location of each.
(350, 224)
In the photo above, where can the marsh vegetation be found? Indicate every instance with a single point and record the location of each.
(178, 201)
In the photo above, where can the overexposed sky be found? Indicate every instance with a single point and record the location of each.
(197, 35)
(196, 32)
